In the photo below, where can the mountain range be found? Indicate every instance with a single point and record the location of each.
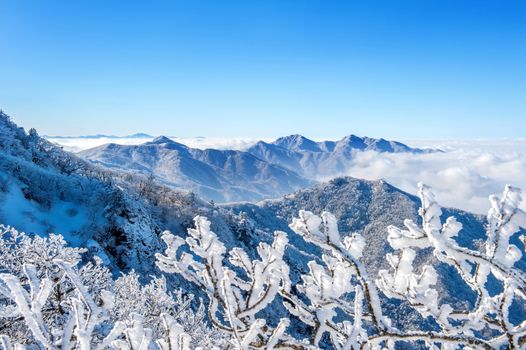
(220, 175)
(265, 170)
(119, 216)
(323, 159)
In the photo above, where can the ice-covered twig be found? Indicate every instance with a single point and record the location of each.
(490, 311)
(323, 232)
(234, 299)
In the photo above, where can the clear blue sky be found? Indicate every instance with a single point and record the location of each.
(395, 69)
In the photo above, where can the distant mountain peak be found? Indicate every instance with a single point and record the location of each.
(353, 141)
(138, 135)
(161, 139)
(297, 142)
(294, 137)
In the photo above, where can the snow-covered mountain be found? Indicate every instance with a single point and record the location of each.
(119, 216)
(213, 174)
(265, 170)
(44, 189)
(367, 207)
(321, 159)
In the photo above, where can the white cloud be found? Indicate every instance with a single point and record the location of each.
(462, 177)
(236, 143)
(74, 144)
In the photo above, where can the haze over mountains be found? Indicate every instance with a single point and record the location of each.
(463, 172)
(138, 135)
(265, 170)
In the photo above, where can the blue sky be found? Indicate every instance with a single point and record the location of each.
(394, 69)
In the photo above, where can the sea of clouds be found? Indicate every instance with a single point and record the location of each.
(77, 144)
(462, 176)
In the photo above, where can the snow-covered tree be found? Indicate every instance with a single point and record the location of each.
(342, 304)
(488, 323)
(235, 299)
(49, 300)
(154, 299)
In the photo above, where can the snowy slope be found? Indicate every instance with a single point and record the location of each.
(118, 216)
(213, 174)
(44, 189)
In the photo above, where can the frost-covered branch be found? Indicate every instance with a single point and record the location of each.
(338, 299)
(328, 285)
(53, 304)
(236, 293)
(80, 329)
(490, 315)
(85, 314)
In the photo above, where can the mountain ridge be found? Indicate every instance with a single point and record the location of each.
(264, 170)
(316, 160)
(220, 175)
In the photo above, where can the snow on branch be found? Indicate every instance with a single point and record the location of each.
(81, 326)
(341, 303)
(52, 304)
(491, 312)
(48, 302)
(236, 293)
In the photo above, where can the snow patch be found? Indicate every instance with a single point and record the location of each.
(26, 215)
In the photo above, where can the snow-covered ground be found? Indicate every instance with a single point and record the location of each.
(64, 217)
